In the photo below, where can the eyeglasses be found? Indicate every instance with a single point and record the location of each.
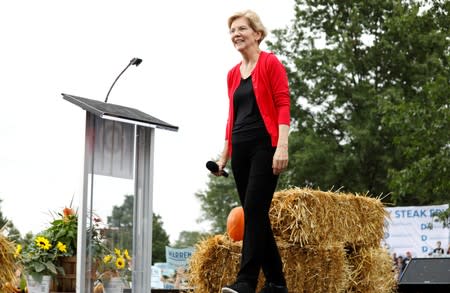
(239, 29)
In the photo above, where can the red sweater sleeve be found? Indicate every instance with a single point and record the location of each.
(280, 89)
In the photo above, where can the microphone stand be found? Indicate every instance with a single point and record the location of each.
(134, 61)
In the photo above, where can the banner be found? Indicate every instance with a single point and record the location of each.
(415, 229)
(178, 256)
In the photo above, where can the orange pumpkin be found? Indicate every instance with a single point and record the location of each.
(235, 224)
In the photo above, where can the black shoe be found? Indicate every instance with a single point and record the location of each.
(272, 288)
(238, 287)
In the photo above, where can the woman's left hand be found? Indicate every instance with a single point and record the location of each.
(280, 159)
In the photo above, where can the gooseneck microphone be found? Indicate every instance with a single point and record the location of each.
(214, 168)
(134, 61)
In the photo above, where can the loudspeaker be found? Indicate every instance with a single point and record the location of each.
(426, 275)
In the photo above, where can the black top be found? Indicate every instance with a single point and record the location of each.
(248, 123)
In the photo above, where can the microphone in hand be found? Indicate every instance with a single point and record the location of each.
(214, 168)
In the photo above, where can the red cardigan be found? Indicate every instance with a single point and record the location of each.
(271, 89)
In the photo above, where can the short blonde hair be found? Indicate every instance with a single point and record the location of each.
(253, 20)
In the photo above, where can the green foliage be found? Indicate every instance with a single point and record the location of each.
(42, 253)
(39, 258)
(443, 217)
(217, 201)
(3, 220)
(63, 229)
(8, 227)
(120, 232)
(189, 239)
(160, 240)
(370, 107)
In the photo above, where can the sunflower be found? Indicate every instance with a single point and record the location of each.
(107, 258)
(120, 262)
(43, 243)
(18, 251)
(126, 255)
(61, 247)
(117, 252)
(115, 264)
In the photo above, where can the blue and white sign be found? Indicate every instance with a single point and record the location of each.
(415, 229)
(156, 279)
(178, 256)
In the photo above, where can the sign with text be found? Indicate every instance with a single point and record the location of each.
(178, 256)
(156, 278)
(415, 229)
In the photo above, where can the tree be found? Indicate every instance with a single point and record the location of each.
(189, 238)
(217, 201)
(12, 232)
(160, 240)
(120, 224)
(369, 84)
(3, 220)
(419, 111)
(121, 230)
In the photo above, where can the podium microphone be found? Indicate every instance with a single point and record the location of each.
(214, 168)
(134, 61)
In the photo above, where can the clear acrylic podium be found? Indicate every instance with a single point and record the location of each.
(119, 143)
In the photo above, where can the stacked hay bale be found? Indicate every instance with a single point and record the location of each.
(8, 265)
(329, 242)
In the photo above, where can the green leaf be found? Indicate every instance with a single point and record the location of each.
(39, 267)
(51, 267)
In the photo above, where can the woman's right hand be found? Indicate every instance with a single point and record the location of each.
(222, 162)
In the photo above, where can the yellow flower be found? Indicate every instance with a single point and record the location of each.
(18, 250)
(107, 258)
(120, 263)
(117, 252)
(125, 253)
(43, 243)
(61, 247)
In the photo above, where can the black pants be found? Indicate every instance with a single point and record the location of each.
(251, 163)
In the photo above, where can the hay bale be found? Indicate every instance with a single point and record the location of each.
(215, 263)
(372, 271)
(8, 265)
(312, 217)
(328, 241)
(314, 268)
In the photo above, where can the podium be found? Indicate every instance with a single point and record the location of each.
(119, 143)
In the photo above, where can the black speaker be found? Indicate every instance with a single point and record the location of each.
(426, 275)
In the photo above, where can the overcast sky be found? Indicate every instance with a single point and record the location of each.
(79, 47)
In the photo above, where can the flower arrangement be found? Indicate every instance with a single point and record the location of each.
(63, 229)
(39, 257)
(44, 254)
(114, 264)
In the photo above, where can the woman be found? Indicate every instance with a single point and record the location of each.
(256, 141)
